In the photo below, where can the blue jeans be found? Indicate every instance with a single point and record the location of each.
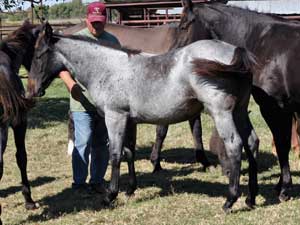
(90, 138)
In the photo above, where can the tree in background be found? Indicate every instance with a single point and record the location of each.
(74, 9)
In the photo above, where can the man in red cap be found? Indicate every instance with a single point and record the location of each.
(90, 134)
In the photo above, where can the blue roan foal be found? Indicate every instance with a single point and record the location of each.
(133, 88)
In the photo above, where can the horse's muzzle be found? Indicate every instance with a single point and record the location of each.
(40, 93)
(33, 90)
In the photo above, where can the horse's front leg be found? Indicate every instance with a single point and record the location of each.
(129, 149)
(196, 128)
(161, 133)
(233, 144)
(21, 156)
(3, 143)
(116, 126)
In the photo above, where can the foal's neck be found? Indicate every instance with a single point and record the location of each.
(85, 59)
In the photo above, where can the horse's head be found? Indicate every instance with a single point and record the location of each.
(43, 68)
(32, 33)
(204, 17)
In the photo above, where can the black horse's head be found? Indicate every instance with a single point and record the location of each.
(44, 67)
(32, 35)
(203, 17)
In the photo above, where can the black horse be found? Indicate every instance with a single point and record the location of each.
(275, 42)
(16, 50)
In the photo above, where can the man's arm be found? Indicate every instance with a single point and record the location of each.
(67, 79)
(72, 86)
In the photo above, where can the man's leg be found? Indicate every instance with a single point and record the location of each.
(99, 152)
(80, 156)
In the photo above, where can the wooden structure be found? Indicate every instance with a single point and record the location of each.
(144, 13)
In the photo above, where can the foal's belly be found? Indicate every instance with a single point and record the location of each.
(167, 113)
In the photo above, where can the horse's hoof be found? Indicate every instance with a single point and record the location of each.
(250, 203)
(130, 191)
(106, 201)
(31, 205)
(227, 210)
(207, 167)
(284, 197)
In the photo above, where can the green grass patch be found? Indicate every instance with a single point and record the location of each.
(181, 194)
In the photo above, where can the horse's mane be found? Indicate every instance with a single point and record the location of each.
(101, 43)
(17, 41)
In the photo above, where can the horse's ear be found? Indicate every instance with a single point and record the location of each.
(26, 22)
(48, 32)
(187, 15)
(187, 4)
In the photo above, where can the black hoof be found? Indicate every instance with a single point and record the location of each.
(32, 205)
(106, 201)
(227, 210)
(129, 194)
(130, 191)
(283, 197)
(250, 203)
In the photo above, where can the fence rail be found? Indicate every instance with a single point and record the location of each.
(7, 29)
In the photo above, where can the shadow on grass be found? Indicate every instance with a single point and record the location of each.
(266, 160)
(175, 155)
(48, 110)
(39, 181)
(67, 201)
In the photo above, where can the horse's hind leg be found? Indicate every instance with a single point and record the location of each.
(196, 128)
(161, 133)
(19, 134)
(233, 144)
(280, 123)
(251, 144)
(129, 149)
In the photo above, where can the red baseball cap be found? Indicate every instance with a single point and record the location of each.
(96, 12)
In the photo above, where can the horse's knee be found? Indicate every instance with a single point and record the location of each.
(115, 159)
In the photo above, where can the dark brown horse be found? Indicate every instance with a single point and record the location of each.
(16, 50)
(275, 42)
(158, 40)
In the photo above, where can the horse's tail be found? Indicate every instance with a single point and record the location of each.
(243, 64)
(13, 104)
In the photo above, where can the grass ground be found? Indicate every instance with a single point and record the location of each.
(181, 194)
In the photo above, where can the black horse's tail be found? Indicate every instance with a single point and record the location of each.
(12, 103)
(243, 64)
